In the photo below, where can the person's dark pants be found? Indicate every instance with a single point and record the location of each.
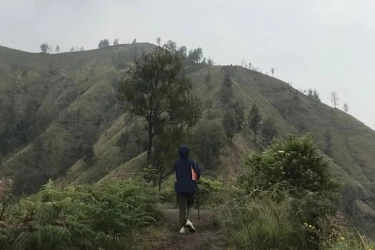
(185, 204)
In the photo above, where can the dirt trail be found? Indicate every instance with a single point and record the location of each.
(207, 236)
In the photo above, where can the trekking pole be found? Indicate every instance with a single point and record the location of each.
(199, 215)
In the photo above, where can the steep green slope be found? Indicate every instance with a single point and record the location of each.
(55, 107)
(50, 116)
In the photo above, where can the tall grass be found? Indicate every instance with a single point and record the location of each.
(263, 224)
(258, 223)
(287, 200)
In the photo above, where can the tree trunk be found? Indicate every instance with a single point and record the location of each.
(150, 140)
(255, 137)
(2, 211)
(160, 178)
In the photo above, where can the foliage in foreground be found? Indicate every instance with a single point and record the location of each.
(294, 165)
(102, 216)
(209, 189)
(263, 223)
(260, 223)
(283, 201)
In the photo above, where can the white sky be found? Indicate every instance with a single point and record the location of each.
(321, 44)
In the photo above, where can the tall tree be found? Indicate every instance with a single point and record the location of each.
(164, 153)
(346, 107)
(208, 80)
(88, 153)
(226, 93)
(254, 121)
(133, 141)
(243, 62)
(196, 55)
(268, 131)
(328, 137)
(116, 42)
(106, 43)
(103, 43)
(158, 40)
(229, 124)
(57, 49)
(72, 49)
(210, 61)
(170, 45)
(157, 90)
(208, 142)
(44, 47)
(182, 51)
(272, 71)
(315, 95)
(239, 115)
(335, 99)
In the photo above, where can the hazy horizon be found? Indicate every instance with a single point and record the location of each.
(323, 45)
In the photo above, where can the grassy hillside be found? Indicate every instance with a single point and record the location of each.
(53, 108)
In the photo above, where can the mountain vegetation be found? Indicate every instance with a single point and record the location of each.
(100, 117)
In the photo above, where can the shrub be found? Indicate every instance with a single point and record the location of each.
(286, 188)
(297, 165)
(294, 161)
(348, 239)
(102, 216)
(168, 196)
(208, 189)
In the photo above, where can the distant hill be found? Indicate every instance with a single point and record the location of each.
(55, 108)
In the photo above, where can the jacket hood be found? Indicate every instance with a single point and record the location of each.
(183, 151)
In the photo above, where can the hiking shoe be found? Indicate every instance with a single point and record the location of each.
(183, 230)
(190, 226)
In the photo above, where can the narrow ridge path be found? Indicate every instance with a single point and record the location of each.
(207, 237)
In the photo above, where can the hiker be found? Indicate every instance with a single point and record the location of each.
(187, 173)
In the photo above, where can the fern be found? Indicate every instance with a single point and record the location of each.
(86, 217)
(44, 213)
(22, 241)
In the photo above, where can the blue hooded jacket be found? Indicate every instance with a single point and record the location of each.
(182, 167)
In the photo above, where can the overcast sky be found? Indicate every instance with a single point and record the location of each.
(328, 45)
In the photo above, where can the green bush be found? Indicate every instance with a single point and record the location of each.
(262, 223)
(168, 196)
(284, 189)
(208, 190)
(294, 165)
(102, 216)
(295, 160)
